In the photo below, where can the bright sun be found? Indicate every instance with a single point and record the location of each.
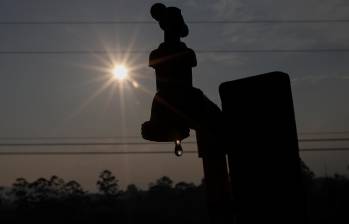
(120, 72)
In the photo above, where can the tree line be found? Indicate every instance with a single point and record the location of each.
(55, 200)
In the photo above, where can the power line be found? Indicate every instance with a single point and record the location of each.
(84, 144)
(139, 137)
(324, 140)
(48, 52)
(324, 50)
(325, 133)
(145, 22)
(29, 144)
(232, 51)
(322, 149)
(137, 152)
(70, 137)
(92, 153)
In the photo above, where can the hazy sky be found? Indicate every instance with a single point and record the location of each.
(63, 95)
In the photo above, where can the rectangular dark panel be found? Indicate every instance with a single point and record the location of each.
(263, 149)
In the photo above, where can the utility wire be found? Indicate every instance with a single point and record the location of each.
(138, 143)
(69, 138)
(324, 140)
(232, 51)
(145, 22)
(92, 153)
(106, 22)
(322, 149)
(21, 144)
(139, 137)
(325, 133)
(139, 152)
(85, 144)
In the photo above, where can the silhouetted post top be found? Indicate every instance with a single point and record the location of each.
(172, 60)
(172, 64)
(170, 19)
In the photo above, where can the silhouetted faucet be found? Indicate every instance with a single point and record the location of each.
(177, 105)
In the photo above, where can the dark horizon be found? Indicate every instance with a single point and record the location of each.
(46, 198)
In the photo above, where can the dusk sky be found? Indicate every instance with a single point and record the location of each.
(73, 94)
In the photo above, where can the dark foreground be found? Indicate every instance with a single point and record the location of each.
(57, 201)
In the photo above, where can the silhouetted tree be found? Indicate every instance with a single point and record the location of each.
(183, 186)
(56, 184)
(73, 188)
(107, 184)
(132, 189)
(162, 187)
(39, 190)
(1, 195)
(20, 190)
(163, 182)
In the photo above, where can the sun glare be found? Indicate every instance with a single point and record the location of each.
(120, 72)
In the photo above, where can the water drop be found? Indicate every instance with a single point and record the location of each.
(178, 148)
